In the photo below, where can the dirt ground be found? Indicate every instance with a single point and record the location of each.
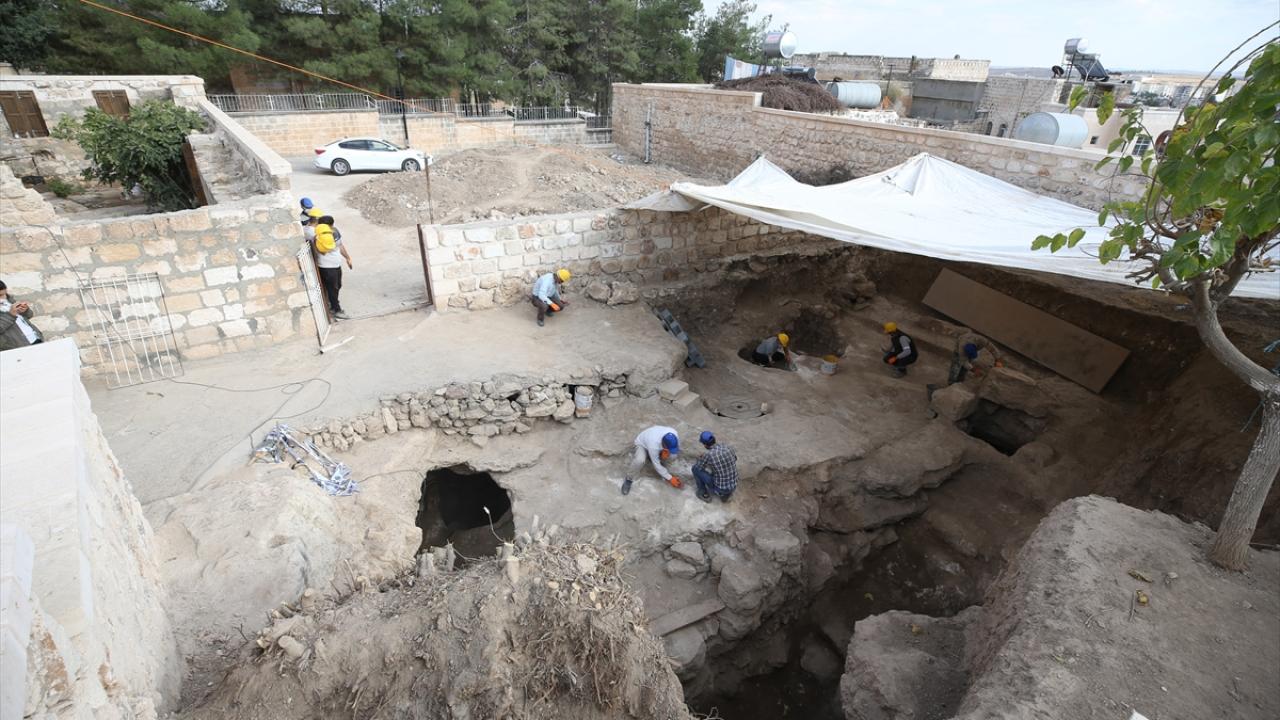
(485, 184)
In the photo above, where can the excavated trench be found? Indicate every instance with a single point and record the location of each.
(466, 508)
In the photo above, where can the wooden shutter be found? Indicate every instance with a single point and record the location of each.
(23, 114)
(112, 102)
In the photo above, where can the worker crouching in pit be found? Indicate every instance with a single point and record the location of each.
(716, 472)
(901, 351)
(658, 444)
(548, 294)
(773, 351)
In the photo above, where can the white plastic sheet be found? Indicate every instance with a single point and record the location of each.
(925, 206)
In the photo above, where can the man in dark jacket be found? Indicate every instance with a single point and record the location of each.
(902, 349)
(16, 329)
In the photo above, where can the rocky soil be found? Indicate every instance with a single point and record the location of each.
(1106, 611)
(487, 184)
(549, 631)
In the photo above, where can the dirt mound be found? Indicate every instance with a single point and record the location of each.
(1106, 610)
(566, 639)
(783, 93)
(502, 182)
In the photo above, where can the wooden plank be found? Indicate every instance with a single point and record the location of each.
(1070, 351)
(673, 621)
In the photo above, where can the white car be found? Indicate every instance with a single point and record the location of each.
(343, 156)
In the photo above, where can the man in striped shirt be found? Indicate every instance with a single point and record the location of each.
(716, 472)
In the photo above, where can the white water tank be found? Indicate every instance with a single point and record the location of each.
(861, 95)
(1075, 46)
(1061, 129)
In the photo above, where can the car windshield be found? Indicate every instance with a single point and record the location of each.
(393, 145)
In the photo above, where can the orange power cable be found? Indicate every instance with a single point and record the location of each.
(255, 56)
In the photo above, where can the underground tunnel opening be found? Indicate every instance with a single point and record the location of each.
(465, 507)
(1003, 428)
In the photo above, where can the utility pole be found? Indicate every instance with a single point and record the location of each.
(404, 118)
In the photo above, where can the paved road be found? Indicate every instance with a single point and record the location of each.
(388, 270)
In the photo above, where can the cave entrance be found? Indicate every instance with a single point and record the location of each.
(452, 509)
(1003, 428)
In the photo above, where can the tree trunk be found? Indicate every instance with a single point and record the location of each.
(1230, 547)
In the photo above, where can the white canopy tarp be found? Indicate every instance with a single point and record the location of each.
(925, 206)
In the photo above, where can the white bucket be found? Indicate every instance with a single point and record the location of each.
(583, 397)
(828, 368)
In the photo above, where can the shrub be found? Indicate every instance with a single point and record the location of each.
(143, 148)
(62, 188)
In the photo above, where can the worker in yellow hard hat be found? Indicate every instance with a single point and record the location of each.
(548, 295)
(773, 351)
(901, 351)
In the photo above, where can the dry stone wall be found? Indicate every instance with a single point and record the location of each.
(480, 265)
(300, 133)
(716, 132)
(229, 274)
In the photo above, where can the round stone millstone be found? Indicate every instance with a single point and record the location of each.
(740, 408)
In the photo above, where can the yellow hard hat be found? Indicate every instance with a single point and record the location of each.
(784, 338)
(563, 275)
(890, 327)
(314, 213)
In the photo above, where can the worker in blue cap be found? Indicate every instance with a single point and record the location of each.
(306, 204)
(965, 359)
(716, 472)
(657, 443)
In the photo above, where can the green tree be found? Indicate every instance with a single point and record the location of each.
(664, 40)
(27, 26)
(144, 148)
(537, 54)
(729, 32)
(89, 38)
(601, 49)
(1209, 216)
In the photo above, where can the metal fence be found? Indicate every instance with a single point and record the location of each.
(410, 106)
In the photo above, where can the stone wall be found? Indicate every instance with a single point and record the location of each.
(300, 133)
(85, 629)
(229, 273)
(1006, 100)
(479, 265)
(20, 205)
(718, 133)
(829, 66)
(552, 132)
(70, 95)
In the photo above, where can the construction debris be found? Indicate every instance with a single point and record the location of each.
(281, 440)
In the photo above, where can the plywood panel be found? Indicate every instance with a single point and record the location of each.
(1068, 350)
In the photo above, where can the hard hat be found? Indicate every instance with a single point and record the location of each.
(671, 443)
(315, 213)
(306, 203)
(891, 327)
(707, 438)
(970, 350)
(563, 275)
(784, 338)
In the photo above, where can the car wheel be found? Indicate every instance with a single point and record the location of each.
(410, 166)
(340, 167)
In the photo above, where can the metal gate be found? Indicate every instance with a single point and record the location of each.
(311, 281)
(132, 329)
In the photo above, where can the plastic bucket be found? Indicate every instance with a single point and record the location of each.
(829, 365)
(583, 397)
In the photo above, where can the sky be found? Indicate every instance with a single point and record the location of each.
(1135, 34)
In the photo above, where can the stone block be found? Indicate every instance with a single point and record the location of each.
(679, 568)
(1015, 390)
(257, 272)
(671, 389)
(207, 316)
(954, 402)
(222, 275)
(78, 234)
(189, 220)
(212, 298)
(687, 400)
(184, 284)
(741, 588)
(156, 248)
(690, 552)
(235, 328)
(116, 252)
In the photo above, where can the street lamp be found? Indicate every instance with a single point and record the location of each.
(404, 119)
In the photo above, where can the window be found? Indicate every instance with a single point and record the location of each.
(1141, 145)
(112, 102)
(990, 127)
(354, 145)
(380, 146)
(23, 114)
(1093, 140)
(1003, 129)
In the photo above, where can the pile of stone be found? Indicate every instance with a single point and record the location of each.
(480, 410)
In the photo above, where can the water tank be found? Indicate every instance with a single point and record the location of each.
(779, 44)
(855, 94)
(1076, 46)
(1060, 129)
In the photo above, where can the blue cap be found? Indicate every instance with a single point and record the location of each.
(707, 438)
(306, 203)
(970, 350)
(671, 443)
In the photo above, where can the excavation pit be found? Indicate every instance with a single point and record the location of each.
(467, 508)
(1003, 428)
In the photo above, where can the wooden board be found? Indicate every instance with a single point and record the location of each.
(1070, 351)
(673, 621)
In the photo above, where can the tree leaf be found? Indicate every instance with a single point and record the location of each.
(1075, 237)
(1103, 162)
(1115, 144)
(1102, 216)
(1105, 107)
(1041, 242)
(1126, 162)
(1078, 94)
